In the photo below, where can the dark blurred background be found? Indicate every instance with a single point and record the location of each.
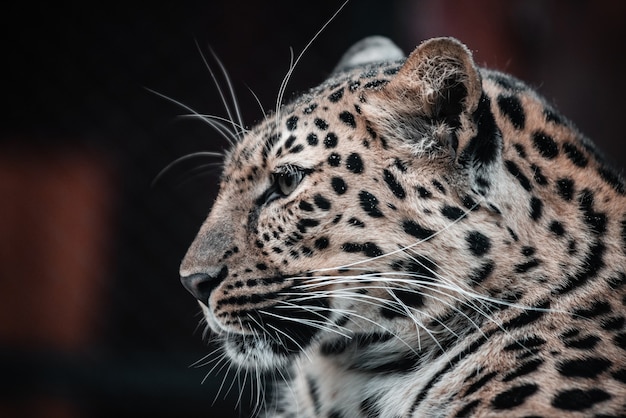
(93, 319)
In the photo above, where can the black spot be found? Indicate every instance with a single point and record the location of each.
(525, 368)
(354, 163)
(478, 243)
(452, 212)
(512, 234)
(391, 71)
(514, 397)
(483, 182)
(528, 251)
(400, 165)
(536, 208)
(334, 160)
(620, 340)
(479, 275)
(469, 203)
(424, 193)
(368, 248)
(515, 171)
(612, 179)
(289, 142)
(410, 298)
(369, 203)
(521, 151)
(347, 118)
(269, 144)
(374, 84)
(511, 107)
(483, 148)
(330, 141)
(298, 148)
(414, 229)
(565, 188)
(540, 179)
(597, 308)
(321, 243)
(613, 323)
(306, 206)
(356, 222)
(575, 155)
(312, 139)
(579, 399)
(556, 228)
(524, 267)
(586, 368)
(546, 146)
(595, 220)
(309, 109)
(618, 281)
(354, 85)
(321, 202)
(480, 383)
(439, 186)
(584, 343)
(528, 316)
(339, 186)
(305, 223)
(292, 123)
(321, 124)
(336, 95)
(393, 184)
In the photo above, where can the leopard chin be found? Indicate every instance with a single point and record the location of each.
(267, 351)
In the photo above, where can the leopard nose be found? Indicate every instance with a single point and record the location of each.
(200, 285)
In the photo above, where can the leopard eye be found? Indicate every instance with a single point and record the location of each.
(287, 181)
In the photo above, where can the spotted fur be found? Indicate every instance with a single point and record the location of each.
(419, 237)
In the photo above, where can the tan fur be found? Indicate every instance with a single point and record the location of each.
(493, 309)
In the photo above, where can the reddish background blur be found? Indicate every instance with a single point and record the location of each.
(93, 320)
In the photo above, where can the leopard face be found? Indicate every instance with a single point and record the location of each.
(400, 214)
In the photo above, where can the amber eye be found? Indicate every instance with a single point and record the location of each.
(287, 180)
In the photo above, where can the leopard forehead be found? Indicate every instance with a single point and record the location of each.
(313, 124)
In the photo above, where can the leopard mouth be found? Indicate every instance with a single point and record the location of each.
(272, 336)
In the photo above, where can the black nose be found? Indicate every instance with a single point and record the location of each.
(200, 285)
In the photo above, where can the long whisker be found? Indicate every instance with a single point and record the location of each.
(219, 127)
(184, 158)
(283, 85)
(219, 88)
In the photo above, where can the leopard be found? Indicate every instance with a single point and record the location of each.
(417, 237)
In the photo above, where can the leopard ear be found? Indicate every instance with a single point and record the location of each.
(424, 103)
